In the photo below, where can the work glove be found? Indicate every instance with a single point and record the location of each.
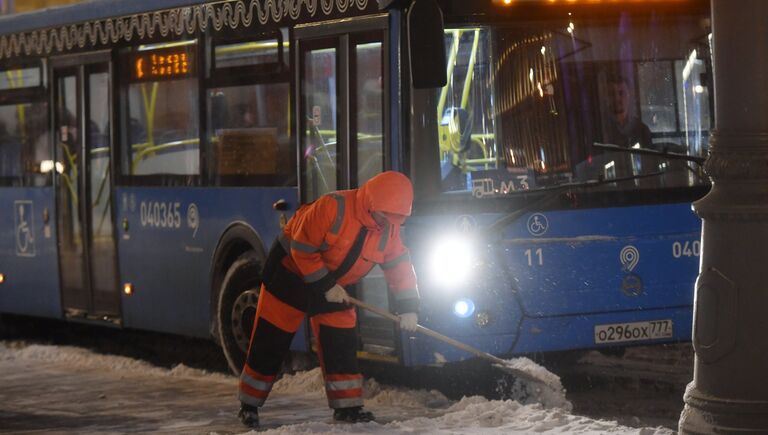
(337, 294)
(409, 321)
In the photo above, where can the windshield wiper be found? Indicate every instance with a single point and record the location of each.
(647, 151)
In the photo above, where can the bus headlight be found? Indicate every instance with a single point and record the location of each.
(451, 261)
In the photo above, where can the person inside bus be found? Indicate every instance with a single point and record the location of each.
(622, 127)
(326, 246)
(10, 154)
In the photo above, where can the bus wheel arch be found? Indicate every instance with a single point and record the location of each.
(236, 272)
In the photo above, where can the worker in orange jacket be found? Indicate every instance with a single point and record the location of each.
(327, 245)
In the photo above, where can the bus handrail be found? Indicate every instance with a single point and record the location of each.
(451, 63)
(470, 71)
(147, 149)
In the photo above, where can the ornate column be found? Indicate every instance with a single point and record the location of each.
(729, 392)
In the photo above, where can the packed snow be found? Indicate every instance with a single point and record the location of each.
(435, 414)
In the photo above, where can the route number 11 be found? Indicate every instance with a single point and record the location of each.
(534, 256)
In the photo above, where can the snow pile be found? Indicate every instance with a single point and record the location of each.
(479, 415)
(476, 415)
(539, 372)
(549, 391)
(377, 394)
(312, 382)
(420, 411)
(87, 359)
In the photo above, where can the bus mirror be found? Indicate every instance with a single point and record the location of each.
(426, 45)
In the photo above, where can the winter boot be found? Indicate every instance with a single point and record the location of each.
(354, 414)
(249, 415)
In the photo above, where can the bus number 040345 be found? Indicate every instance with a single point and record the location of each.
(686, 249)
(160, 214)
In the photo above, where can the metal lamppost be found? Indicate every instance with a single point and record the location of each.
(729, 392)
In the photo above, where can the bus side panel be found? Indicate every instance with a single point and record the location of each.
(168, 249)
(28, 253)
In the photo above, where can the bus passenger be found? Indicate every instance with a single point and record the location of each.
(327, 245)
(623, 128)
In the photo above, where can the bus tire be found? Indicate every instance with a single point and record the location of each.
(238, 298)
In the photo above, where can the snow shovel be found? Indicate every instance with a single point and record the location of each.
(504, 365)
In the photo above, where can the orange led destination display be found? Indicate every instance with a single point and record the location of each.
(165, 64)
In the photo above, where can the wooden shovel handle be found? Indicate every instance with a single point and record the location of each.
(428, 332)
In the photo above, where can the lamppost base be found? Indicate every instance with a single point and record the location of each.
(705, 414)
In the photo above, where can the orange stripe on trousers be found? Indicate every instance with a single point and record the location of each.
(344, 394)
(338, 377)
(258, 376)
(277, 312)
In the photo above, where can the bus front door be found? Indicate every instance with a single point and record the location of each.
(344, 124)
(86, 239)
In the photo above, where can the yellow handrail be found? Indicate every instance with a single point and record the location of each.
(149, 110)
(72, 161)
(470, 71)
(480, 161)
(148, 150)
(451, 63)
(248, 46)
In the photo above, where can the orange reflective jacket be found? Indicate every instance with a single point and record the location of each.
(320, 235)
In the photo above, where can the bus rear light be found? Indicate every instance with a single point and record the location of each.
(128, 289)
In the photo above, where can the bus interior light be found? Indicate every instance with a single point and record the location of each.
(128, 289)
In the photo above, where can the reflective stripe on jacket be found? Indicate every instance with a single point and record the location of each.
(320, 235)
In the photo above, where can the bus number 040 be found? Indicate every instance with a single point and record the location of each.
(160, 214)
(686, 249)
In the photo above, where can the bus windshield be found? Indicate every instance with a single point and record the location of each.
(536, 105)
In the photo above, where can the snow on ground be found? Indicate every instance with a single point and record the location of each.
(88, 359)
(435, 414)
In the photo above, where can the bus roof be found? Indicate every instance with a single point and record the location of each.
(86, 11)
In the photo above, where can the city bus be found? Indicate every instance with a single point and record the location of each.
(151, 151)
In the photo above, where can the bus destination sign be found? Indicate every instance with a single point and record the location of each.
(165, 64)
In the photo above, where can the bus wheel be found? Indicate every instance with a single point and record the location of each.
(237, 308)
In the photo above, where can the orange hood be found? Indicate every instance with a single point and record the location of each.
(389, 192)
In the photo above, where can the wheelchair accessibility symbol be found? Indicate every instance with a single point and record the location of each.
(538, 224)
(25, 235)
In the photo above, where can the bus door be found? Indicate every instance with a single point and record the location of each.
(82, 121)
(343, 122)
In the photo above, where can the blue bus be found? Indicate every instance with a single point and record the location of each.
(151, 151)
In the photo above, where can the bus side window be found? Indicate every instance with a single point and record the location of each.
(369, 112)
(249, 118)
(162, 132)
(25, 154)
